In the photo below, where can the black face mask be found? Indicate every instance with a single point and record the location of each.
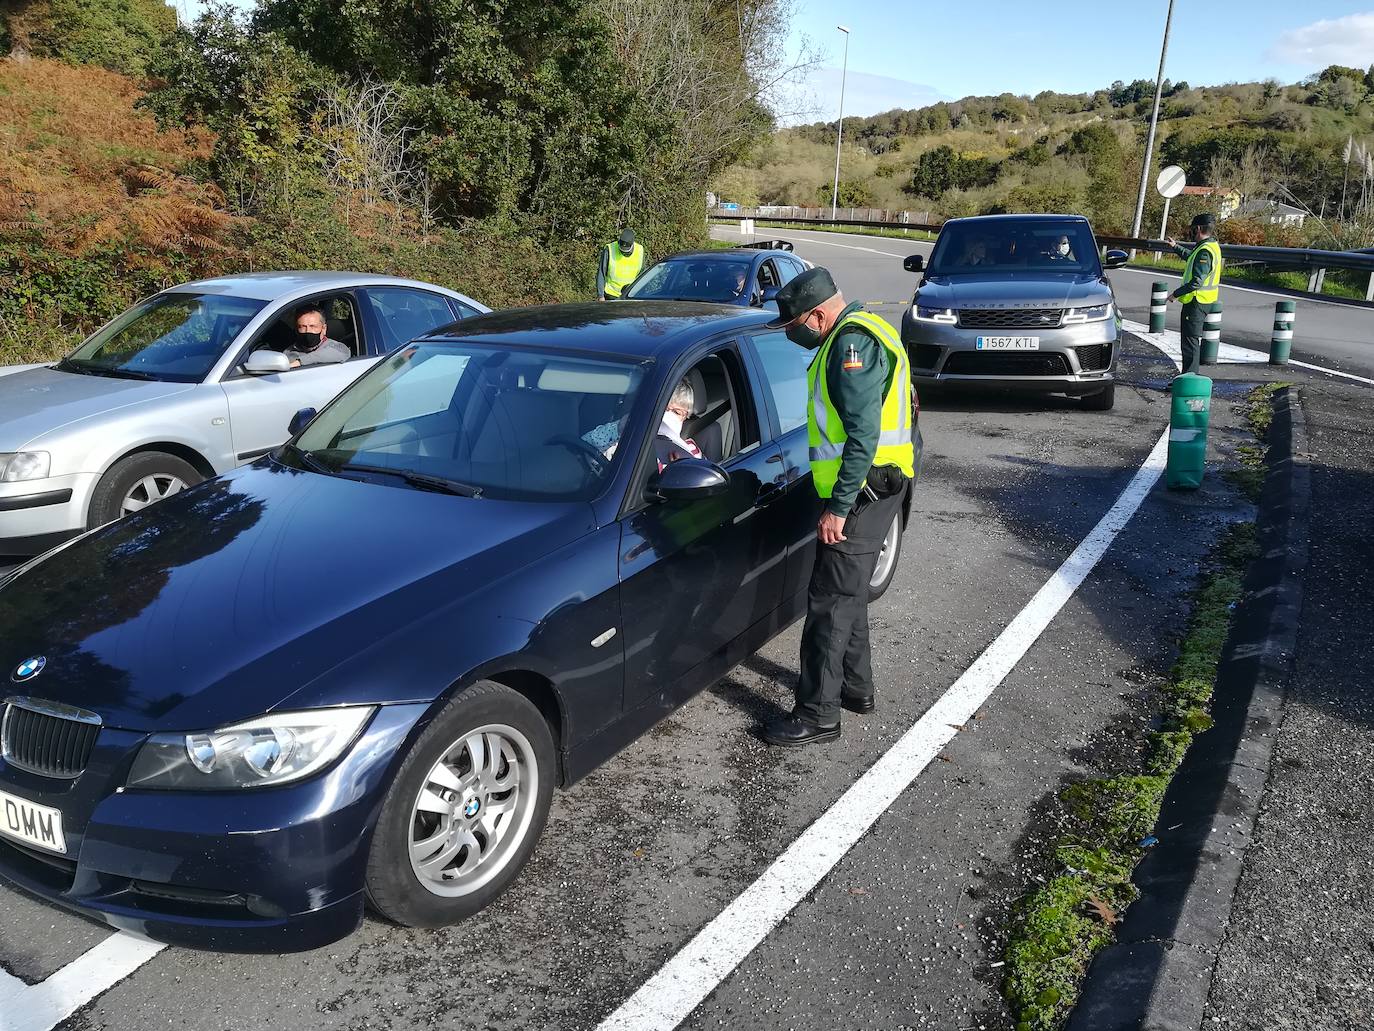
(308, 341)
(804, 335)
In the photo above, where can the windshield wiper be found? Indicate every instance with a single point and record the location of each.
(309, 460)
(105, 370)
(422, 480)
(67, 365)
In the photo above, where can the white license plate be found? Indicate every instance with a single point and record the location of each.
(36, 825)
(1008, 343)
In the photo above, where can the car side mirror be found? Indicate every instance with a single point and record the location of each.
(914, 263)
(265, 363)
(1115, 259)
(300, 421)
(688, 479)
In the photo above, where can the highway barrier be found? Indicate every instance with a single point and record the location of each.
(1159, 305)
(1281, 343)
(1211, 336)
(1190, 411)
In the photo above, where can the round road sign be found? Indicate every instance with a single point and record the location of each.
(1171, 181)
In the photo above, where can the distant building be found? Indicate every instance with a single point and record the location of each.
(1276, 213)
(1227, 199)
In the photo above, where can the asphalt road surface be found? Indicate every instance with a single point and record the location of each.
(903, 932)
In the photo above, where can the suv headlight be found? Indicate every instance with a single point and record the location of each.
(24, 465)
(925, 314)
(1096, 313)
(272, 749)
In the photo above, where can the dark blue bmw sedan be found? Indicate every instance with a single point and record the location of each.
(354, 672)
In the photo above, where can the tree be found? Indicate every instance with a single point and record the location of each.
(935, 172)
(116, 34)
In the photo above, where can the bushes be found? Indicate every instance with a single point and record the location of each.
(115, 34)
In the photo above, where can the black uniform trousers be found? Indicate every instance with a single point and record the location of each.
(835, 653)
(1191, 327)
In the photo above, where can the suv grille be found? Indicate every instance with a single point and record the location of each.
(1006, 363)
(1010, 318)
(48, 739)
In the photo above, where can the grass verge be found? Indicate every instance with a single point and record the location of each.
(1060, 926)
(1258, 410)
(1332, 286)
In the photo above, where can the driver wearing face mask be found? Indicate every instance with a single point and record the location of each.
(670, 445)
(1061, 250)
(313, 346)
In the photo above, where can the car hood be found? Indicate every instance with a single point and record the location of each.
(220, 603)
(40, 400)
(1013, 290)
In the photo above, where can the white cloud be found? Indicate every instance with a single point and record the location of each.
(1348, 40)
(818, 97)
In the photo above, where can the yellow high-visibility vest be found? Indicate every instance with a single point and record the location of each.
(622, 269)
(825, 430)
(1209, 291)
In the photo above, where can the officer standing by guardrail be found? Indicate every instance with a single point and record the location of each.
(859, 427)
(622, 260)
(1200, 292)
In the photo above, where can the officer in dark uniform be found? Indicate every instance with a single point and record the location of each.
(1200, 292)
(862, 459)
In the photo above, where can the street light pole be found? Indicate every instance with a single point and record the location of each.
(1154, 122)
(839, 137)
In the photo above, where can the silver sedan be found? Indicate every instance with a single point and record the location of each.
(185, 385)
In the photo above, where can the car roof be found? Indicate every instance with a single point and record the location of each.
(732, 254)
(268, 286)
(636, 329)
(1017, 218)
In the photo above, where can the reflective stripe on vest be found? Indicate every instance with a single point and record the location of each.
(1209, 291)
(825, 431)
(622, 269)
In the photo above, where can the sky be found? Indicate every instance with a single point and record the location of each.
(906, 53)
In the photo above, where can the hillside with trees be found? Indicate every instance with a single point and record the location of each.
(491, 148)
(1310, 144)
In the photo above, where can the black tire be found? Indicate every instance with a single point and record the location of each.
(128, 474)
(1102, 401)
(394, 888)
(883, 577)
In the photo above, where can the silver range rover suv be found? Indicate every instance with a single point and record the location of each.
(1019, 302)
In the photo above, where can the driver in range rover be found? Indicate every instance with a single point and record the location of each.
(313, 346)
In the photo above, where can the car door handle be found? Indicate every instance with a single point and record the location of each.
(775, 458)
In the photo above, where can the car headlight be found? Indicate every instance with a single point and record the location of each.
(925, 314)
(1096, 313)
(272, 749)
(24, 465)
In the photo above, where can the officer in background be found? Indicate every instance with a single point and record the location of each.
(859, 427)
(621, 262)
(1200, 291)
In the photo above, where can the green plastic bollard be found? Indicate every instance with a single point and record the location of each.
(1190, 411)
(1281, 343)
(1211, 336)
(1159, 306)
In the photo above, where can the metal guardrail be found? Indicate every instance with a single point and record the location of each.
(1280, 258)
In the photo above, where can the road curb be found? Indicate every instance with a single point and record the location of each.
(1158, 975)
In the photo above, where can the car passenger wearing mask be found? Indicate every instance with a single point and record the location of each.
(1061, 251)
(313, 346)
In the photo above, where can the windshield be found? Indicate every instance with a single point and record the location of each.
(509, 424)
(1014, 246)
(693, 279)
(176, 337)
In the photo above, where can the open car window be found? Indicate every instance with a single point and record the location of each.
(507, 423)
(341, 324)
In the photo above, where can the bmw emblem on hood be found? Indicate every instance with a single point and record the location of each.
(28, 669)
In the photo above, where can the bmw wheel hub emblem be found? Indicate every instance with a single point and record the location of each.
(28, 669)
(472, 808)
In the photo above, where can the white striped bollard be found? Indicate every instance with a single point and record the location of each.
(1281, 343)
(1159, 305)
(1211, 336)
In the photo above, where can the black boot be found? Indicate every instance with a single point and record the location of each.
(790, 731)
(862, 704)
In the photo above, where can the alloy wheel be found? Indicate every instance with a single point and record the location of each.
(150, 489)
(473, 810)
(888, 555)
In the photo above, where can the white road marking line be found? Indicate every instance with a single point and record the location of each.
(1227, 354)
(831, 243)
(43, 1006)
(667, 998)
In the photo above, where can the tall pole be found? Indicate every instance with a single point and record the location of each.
(839, 137)
(1154, 122)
